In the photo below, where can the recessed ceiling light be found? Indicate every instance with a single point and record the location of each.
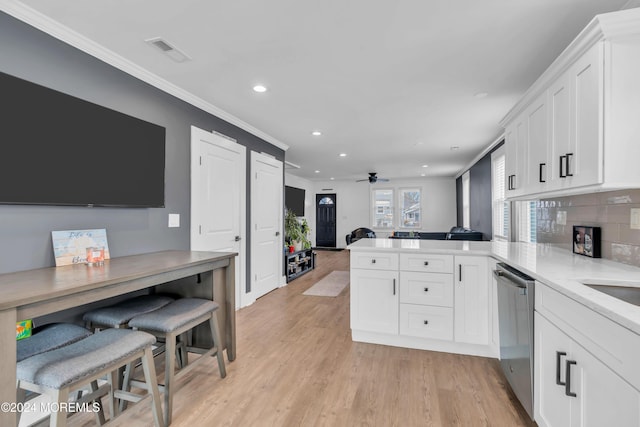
(423, 174)
(425, 166)
(259, 88)
(419, 143)
(316, 133)
(343, 154)
(454, 148)
(480, 95)
(317, 171)
(332, 178)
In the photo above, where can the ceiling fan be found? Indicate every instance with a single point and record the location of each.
(373, 178)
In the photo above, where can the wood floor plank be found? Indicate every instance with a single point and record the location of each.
(297, 366)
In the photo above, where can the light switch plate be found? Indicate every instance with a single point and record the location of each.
(635, 219)
(561, 218)
(174, 220)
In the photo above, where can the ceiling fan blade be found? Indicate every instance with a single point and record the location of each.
(383, 180)
(362, 180)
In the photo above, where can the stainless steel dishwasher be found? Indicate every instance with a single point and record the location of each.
(516, 295)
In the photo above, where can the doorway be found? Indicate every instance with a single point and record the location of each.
(326, 220)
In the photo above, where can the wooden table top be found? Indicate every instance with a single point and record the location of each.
(31, 286)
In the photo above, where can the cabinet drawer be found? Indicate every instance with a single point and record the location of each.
(426, 288)
(374, 260)
(426, 321)
(616, 346)
(427, 263)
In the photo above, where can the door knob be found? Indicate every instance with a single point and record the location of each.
(277, 233)
(238, 238)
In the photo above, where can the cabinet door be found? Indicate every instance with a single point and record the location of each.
(602, 397)
(471, 300)
(560, 113)
(374, 300)
(515, 146)
(577, 122)
(537, 146)
(552, 348)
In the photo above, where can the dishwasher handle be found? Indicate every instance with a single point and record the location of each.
(510, 279)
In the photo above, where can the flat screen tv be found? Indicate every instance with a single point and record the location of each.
(56, 149)
(294, 200)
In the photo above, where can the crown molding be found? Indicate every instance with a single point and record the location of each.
(480, 155)
(61, 32)
(604, 27)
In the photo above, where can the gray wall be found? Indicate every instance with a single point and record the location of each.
(25, 231)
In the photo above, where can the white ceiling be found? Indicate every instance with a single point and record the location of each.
(391, 84)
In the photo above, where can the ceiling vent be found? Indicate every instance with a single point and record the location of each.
(168, 49)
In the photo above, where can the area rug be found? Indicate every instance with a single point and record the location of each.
(329, 286)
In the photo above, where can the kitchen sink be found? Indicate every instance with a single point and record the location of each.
(628, 294)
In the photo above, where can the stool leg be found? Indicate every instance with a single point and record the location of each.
(149, 370)
(21, 396)
(169, 367)
(59, 419)
(215, 334)
(126, 384)
(113, 383)
(100, 414)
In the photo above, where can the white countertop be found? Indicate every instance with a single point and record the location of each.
(558, 268)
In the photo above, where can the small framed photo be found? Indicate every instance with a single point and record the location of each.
(586, 241)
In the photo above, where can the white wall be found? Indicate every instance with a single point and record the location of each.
(353, 200)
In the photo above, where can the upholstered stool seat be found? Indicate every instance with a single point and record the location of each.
(171, 321)
(58, 371)
(118, 315)
(50, 337)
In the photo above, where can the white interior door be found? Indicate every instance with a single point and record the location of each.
(218, 199)
(266, 223)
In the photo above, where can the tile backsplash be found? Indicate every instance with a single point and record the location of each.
(611, 211)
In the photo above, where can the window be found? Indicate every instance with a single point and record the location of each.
(499, 207)
(382, 208)
(526, 221)
(326, 201)
(466, 206)
(410, 208)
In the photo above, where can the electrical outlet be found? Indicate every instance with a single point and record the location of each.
(561, 218)
(635, 219)
(174, 220)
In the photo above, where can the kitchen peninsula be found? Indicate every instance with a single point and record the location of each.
(441, 295)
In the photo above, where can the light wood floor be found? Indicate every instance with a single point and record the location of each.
(297, 366)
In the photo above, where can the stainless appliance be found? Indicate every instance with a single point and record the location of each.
(516, 294)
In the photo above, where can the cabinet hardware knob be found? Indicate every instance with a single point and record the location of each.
(426, 289)
(567, 387)
(373, 261)
(426, 263)
(559, 355)
(426, 322)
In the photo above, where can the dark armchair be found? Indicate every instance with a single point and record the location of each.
(360, 233)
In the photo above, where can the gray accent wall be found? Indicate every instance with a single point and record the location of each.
(25, 231)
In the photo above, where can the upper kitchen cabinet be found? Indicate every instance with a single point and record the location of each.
(574, 131)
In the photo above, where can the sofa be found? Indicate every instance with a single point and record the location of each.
(360, 233)
(456, 233)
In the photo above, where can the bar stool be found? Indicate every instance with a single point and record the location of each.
(118, 315)
(169, 322)
(49, 337)
(59, 371)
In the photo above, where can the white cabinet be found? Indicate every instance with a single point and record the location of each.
(427, 288)
(573, 388)
(426, 321)
(471, 300)
(428, 263)
(374, 300)
(573, 132)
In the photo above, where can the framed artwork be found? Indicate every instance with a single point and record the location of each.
(586, 241)
(75, 246)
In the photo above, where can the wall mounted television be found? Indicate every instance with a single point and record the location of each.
(56, 149)
(294, 200)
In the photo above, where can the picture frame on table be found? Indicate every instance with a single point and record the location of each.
(586, 241)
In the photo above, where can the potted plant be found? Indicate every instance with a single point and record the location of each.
(295, 232)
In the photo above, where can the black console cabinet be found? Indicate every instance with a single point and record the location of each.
(298, 263)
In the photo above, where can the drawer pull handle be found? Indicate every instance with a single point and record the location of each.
(567, 388)
(394, 286)
(426, 289)
(426, 322)
(559, 355)
(426, 263)
(373, 261)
